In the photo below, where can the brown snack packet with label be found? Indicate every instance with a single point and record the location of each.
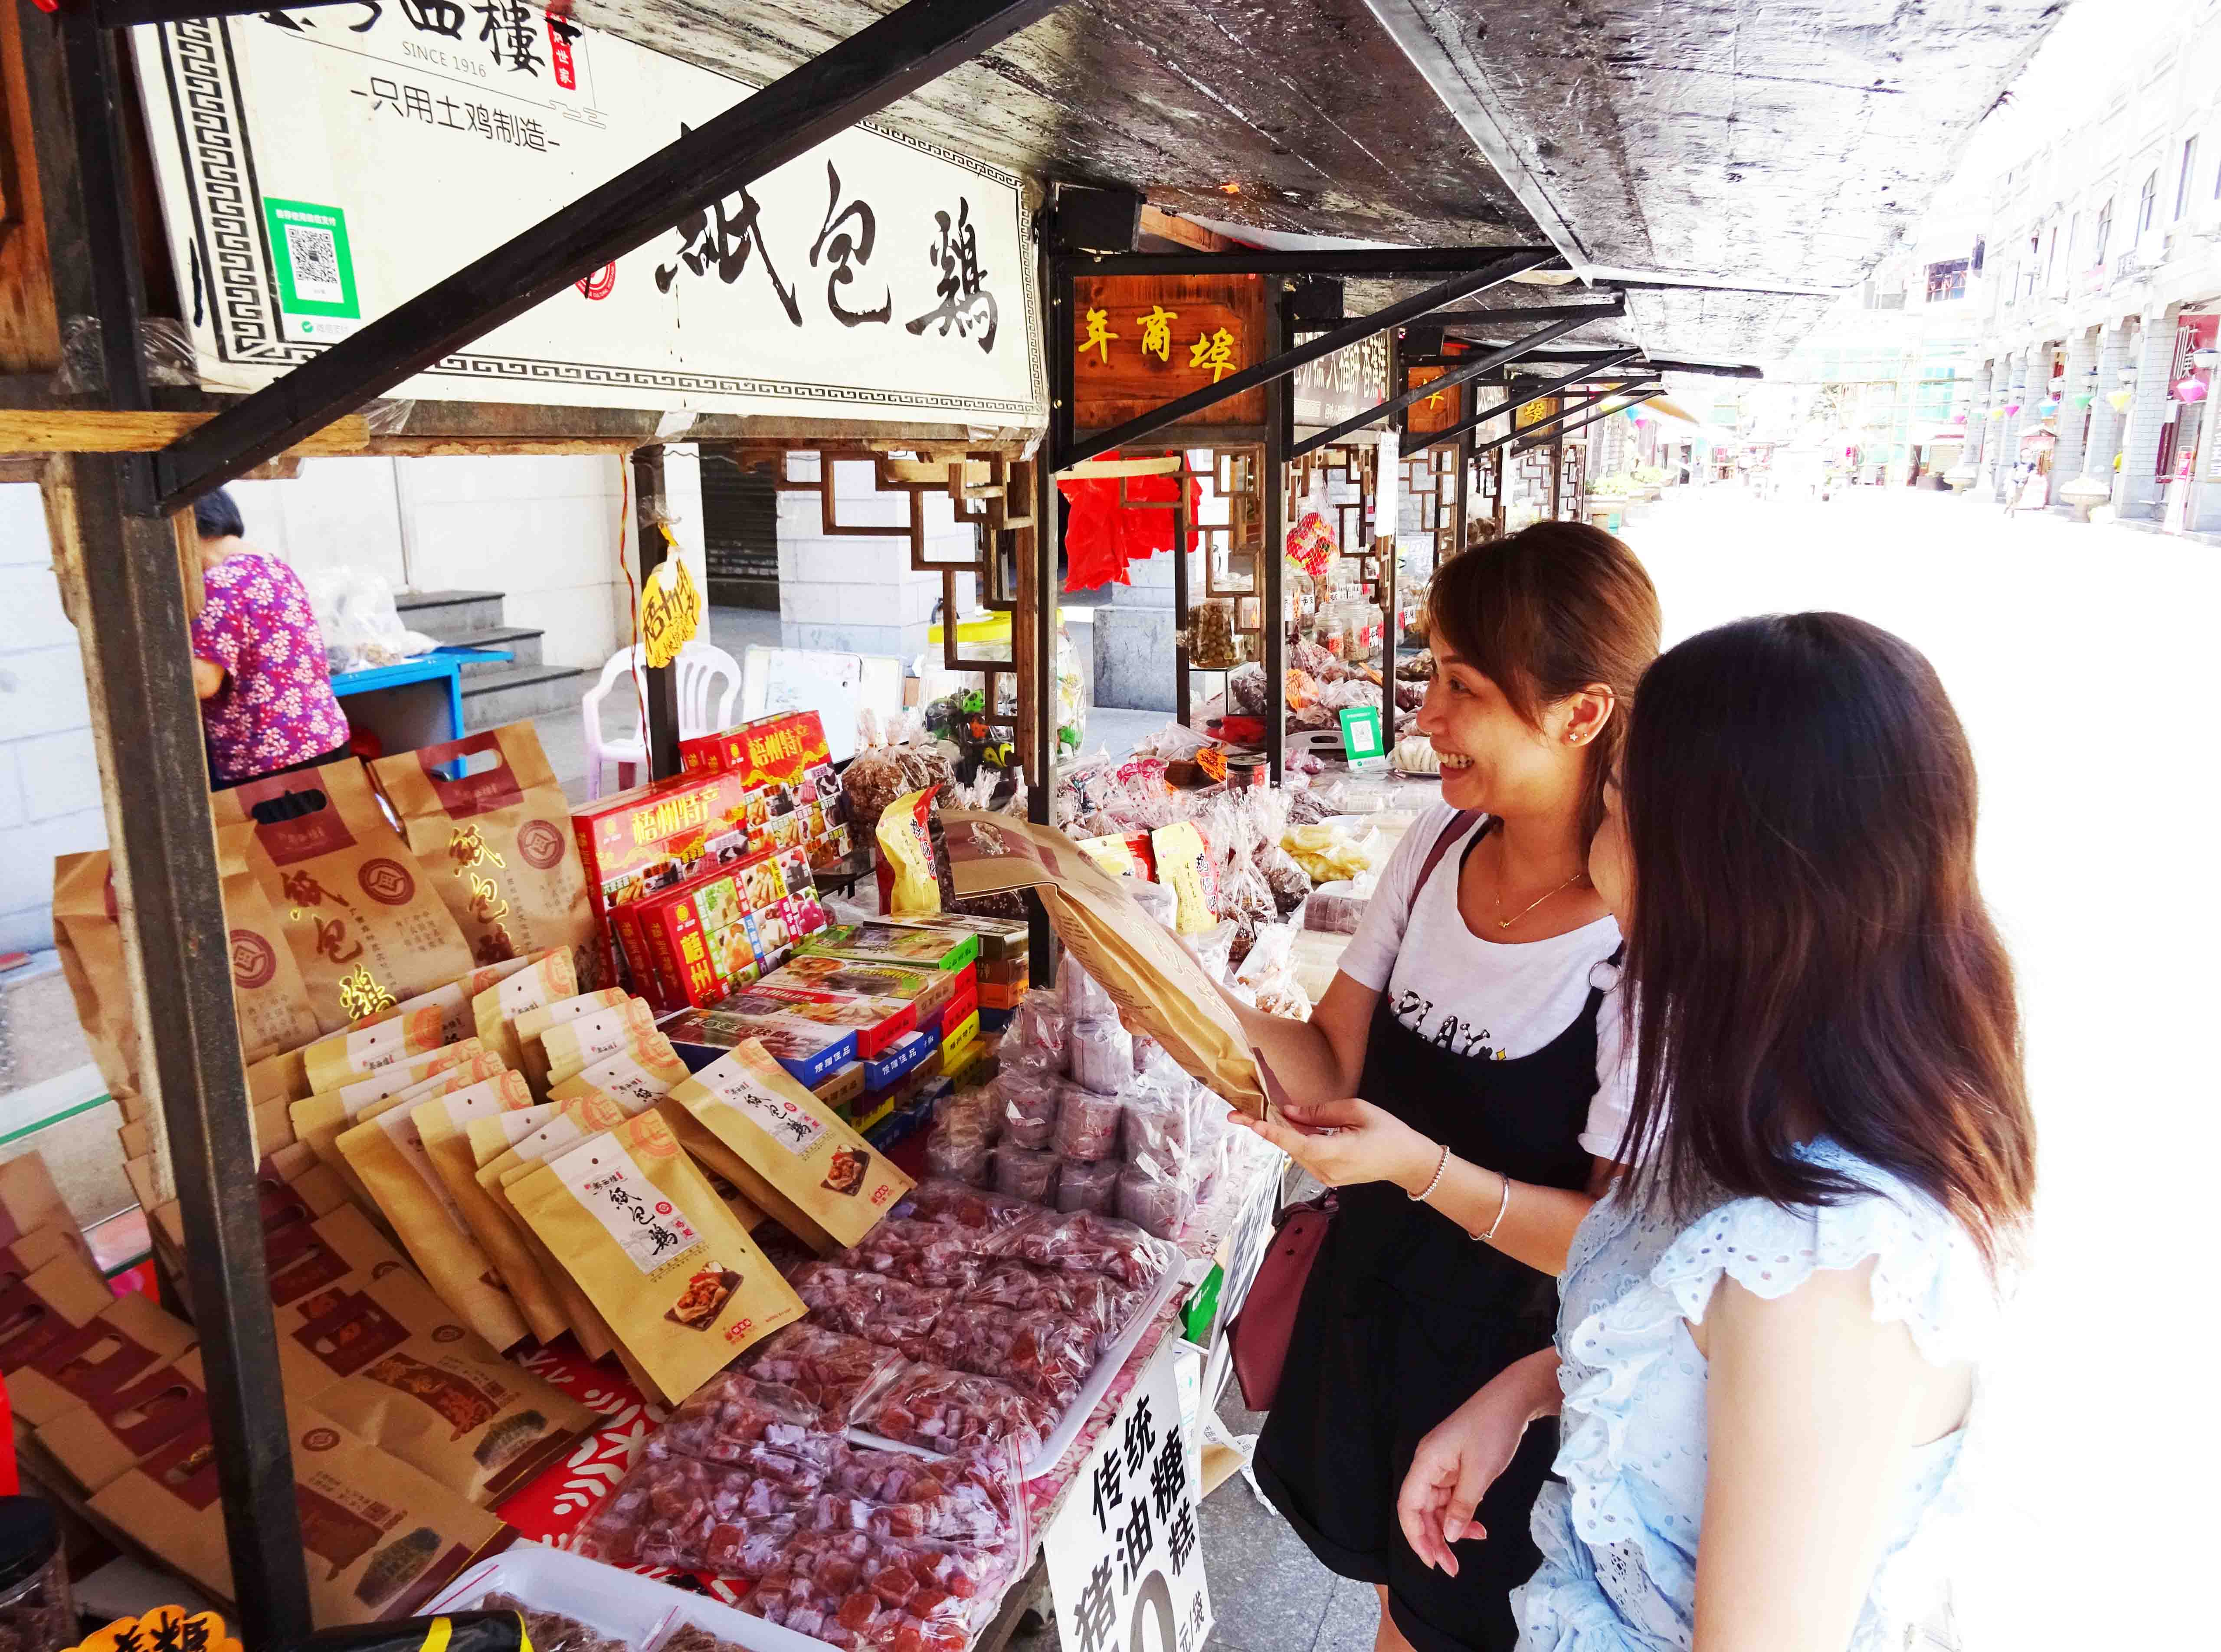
(387, 1151)
(572, 1047)
(444, 1123)
(266, 989)
(549, 977)
(362, 924)
(122, 1343)
(1155, 980)
(391, 1361)
(90, 947)
(789, 1151)
(496, 843)
(642, 1071)
(319, 1119)
(681, 1284)
(423, 1023)
(528, 1028)
(380, 1538)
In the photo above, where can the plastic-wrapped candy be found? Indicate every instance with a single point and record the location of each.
(1089, 1187)
(1085, 1243)
(1048, 1355)
(731, 1413)
(1026, 1173)
(1086, 1126)
(962, 1207)
(1106, 1303)
(1102, 1055)
(1157, 1203)
(827, 1367)
(1035, 1038)
(943, 1411)
(1080, 993)
(922, 1253)
(1029, 1103)
(870, 1306)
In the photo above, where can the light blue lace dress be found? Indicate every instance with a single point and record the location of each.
(1619, 1536)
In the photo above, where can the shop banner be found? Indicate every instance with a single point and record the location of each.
(318, 168)
(1125, 1553)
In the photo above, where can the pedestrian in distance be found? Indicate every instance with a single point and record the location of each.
(1470, 1016)
(1769, 1333)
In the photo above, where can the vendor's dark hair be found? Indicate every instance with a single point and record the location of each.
(216, 516)
(1808, 945)
(1544, 613)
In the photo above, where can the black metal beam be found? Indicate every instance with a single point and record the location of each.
(1634, 400)
(1542, 429)
(1471, 367)
(888, 59)
(1280, 363)
(1465, 426)
(129, 14)
(1258, 260)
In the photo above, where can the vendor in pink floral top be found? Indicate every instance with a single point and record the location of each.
(267, 700)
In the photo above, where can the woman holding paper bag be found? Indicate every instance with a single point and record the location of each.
(1469, 1013)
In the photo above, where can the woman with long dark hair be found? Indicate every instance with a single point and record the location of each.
(1769, 1332)
(1467, 1017)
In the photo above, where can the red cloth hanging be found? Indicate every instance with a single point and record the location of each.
(1102, 539)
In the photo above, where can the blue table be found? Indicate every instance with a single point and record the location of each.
(417, 703)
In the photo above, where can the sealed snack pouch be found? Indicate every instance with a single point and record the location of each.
(388, 1154)
(366, 930)
(789, 1153)
(906, 837)
(683, 1287)
(494, 838)
(526, 1029)
(572, 1047)
(424, 1022)
(550, 978)
(444, 1125)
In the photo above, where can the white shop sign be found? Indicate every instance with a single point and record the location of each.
(318, 168)
(1125, 1553)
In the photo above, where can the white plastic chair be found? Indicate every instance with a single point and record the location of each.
(704, 708)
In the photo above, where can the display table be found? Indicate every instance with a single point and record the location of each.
(417, 703)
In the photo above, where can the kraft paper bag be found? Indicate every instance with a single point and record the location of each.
(496, 843)
(683, 1286)
(1152, 979)
(364, 928)
(789, 1152)
(439, 1016)
(390, 1159)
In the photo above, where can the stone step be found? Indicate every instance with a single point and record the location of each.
(451, 615)
(524, 644)
(512, 693)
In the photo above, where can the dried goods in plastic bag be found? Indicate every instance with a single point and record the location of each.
(1026, 1173)
(871, 1305)
(962, 1207)
(828, 1369)
(1102, 1055)
(943, 1411)
(732, 1412)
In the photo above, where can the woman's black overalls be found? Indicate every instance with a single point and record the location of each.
(1405, 1316)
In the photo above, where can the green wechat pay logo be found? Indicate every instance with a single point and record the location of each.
(315, 267)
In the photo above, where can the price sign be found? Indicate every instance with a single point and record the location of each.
(1125, 1560)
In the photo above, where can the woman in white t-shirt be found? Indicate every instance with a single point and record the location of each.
(1469, 1017)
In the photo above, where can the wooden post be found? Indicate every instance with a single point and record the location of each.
(133, 632)
(658, 684)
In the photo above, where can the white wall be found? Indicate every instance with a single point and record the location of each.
(49, 785)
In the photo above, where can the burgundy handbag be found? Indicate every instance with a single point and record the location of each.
(1260, 1333)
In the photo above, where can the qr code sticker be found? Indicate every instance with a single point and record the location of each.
(315, 258)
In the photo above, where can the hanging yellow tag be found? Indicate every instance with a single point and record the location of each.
(670, 605)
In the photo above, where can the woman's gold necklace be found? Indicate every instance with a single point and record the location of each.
(1503, 923)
